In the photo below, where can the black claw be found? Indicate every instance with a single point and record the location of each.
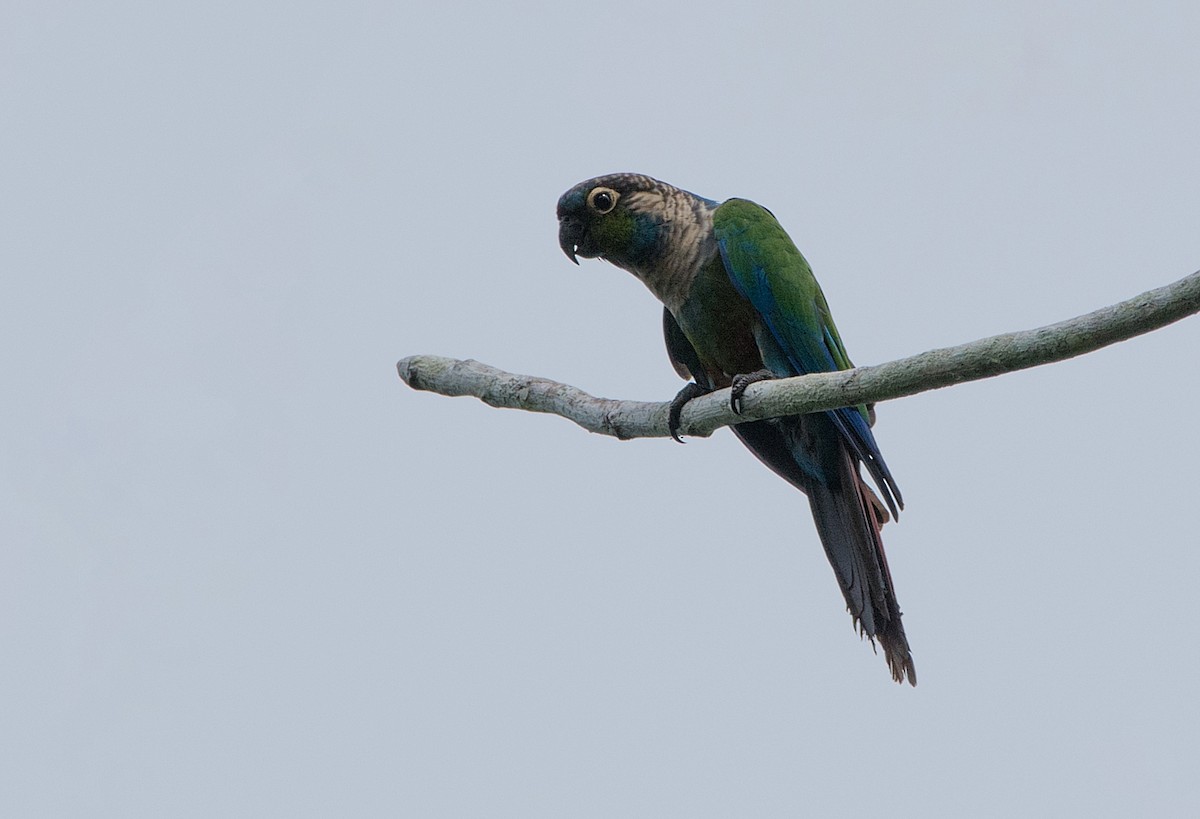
(740, 382)
(674, 415)
(675, 433)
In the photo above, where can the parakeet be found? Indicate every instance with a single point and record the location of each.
(741, 305)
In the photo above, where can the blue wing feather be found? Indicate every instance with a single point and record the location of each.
(807, 343)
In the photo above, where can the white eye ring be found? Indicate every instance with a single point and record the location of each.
(602, 200)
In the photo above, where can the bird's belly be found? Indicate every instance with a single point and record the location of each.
(723, 340)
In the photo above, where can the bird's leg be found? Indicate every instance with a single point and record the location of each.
(692, 390)
(741, 382)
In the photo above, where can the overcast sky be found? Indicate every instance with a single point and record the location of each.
(245, 571)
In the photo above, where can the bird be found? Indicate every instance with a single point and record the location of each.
(741, 305)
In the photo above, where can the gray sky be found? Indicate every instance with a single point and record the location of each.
(245, 571)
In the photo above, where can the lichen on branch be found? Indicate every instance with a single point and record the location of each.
(931, 370)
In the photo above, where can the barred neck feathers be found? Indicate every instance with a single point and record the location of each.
(684, 241)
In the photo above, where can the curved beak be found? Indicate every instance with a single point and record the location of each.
(570, 233)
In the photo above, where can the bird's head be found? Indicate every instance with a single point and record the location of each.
(618, 218)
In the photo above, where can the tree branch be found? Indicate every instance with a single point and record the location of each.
(821, 391)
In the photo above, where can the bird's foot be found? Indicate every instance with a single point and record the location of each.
(692, 390)
(741, 382)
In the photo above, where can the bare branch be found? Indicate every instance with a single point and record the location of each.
(810, 393)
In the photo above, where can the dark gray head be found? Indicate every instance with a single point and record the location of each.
(618, 217)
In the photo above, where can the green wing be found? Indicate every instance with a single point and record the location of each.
(769, 271)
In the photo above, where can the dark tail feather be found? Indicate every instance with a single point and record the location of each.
(849, 519)
(808, 452)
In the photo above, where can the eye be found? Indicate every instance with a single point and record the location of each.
(602, 200)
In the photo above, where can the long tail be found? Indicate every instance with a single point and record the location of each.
(808, 452)
(850, 520)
